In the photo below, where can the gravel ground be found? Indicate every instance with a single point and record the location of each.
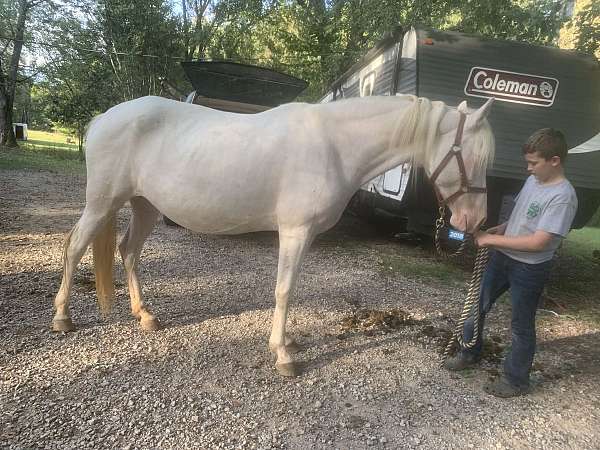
(207, 380)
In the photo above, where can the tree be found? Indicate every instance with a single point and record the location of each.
(318, 40)
(141, 41)
(198, 30)
(582, 31)
(8, 76)
(233, 31)
(76, 83)
(17, 19)
(97, 53)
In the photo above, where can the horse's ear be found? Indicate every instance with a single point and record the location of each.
(463, 108)
(474, 120)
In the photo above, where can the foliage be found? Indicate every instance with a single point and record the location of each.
(582, 32)
(536, 22)
(76, 81)
(36, 108)
(20, 21)
(13, 17)
(318, 40)
(87, 55)
(138, 40)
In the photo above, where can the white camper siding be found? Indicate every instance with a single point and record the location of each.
(374, 78)
(406, 78)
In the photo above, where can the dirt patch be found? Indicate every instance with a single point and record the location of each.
(371, 322)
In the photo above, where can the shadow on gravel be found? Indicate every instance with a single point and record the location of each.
(575, 355)
(310, 364)
(256, 295)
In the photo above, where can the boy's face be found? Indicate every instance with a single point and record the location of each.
(542, 169)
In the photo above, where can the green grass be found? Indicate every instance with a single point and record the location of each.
(49, 140)
(584, 243)
(574, 284)
(425, 267)
(43, 151)
(575, 280)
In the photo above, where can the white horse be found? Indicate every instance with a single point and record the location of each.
(292, 169)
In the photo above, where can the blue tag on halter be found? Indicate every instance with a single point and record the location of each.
(456, 235)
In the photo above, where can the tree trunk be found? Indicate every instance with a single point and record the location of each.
(8, 133)
(3, 120)
(186, 32)
(9, 84)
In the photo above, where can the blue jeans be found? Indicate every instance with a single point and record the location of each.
(526, 283)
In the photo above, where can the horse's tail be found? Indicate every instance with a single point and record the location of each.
(103, 249)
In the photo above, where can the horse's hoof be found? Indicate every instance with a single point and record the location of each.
(65, 325)
(150, 324)
(287, 369)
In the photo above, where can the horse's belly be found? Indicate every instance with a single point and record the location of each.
(226, 226)
(219, 220)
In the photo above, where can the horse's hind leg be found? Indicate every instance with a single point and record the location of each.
(142, 222)
(76, 243)
(292, 248)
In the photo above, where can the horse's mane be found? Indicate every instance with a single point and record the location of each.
(418, 126)
(485, 145)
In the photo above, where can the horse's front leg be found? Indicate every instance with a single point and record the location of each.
(292, 247)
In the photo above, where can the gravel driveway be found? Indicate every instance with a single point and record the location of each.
(207, 380)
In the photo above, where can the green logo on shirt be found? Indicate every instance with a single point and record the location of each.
(533, 210)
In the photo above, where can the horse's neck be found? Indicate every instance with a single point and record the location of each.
(363, 139)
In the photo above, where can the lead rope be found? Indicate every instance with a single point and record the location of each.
(471, 305)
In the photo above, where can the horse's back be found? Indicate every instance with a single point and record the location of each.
(209, 170)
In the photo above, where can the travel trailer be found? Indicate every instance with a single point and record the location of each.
(534, 87)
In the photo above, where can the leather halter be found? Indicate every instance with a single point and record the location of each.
(455, 152)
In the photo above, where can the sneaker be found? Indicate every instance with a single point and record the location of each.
(461, 361)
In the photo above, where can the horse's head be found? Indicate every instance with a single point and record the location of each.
(457, 167)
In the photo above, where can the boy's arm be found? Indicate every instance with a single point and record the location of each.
(498, 229)
(535, 242)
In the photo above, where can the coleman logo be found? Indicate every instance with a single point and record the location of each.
(511, 86)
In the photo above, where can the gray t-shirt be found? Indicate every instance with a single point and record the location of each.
(548, 208)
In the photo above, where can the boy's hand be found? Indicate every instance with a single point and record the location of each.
(481, 239)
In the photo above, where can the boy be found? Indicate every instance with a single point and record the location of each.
(521, 258)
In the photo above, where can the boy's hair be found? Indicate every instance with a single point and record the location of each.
(548, 142)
